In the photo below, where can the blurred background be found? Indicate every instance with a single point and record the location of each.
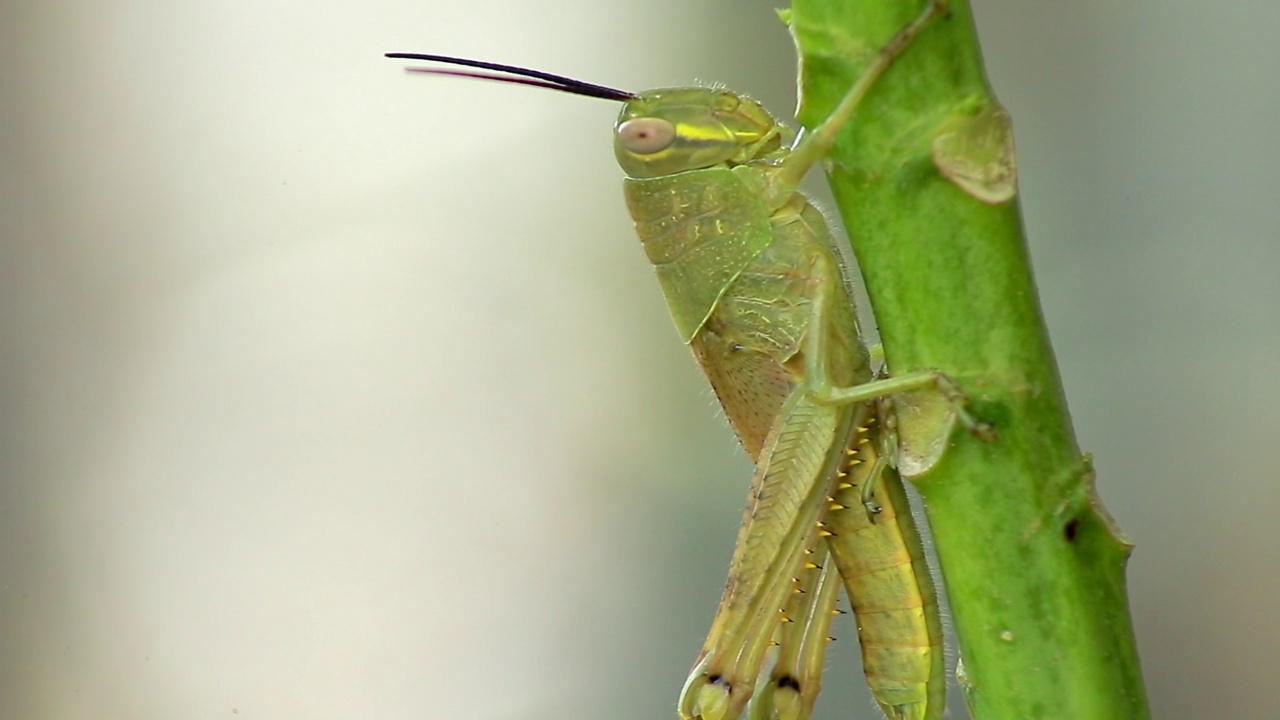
(328, 391)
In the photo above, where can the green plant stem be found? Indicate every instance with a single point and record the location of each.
(1034, 567)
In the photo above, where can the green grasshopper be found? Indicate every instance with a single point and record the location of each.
(755, 287)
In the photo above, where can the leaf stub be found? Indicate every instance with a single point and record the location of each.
(975, 152)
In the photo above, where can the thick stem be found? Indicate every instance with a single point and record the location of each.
(923, 177)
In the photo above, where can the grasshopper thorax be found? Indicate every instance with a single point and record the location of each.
(668, 131)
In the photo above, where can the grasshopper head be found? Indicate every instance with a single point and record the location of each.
(660, 132)
(664, 132)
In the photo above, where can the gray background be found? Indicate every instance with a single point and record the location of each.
(332, 392)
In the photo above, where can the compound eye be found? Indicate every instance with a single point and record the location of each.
(646, 136)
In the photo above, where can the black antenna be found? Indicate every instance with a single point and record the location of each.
(523, 76)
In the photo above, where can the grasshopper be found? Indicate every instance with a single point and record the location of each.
(753, 281)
